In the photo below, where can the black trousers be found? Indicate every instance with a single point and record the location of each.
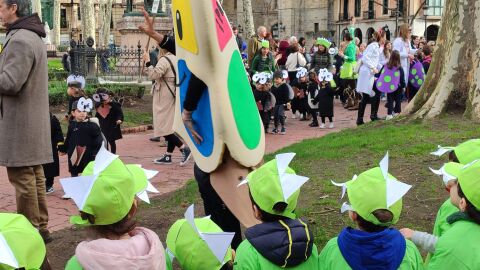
(172, 142)
(112, 146)
(374, 102)
(49, 182)
(394, 102)
(215, 207)
(265, 116)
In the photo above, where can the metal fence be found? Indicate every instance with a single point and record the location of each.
(112, 64)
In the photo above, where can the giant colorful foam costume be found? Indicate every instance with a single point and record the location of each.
(227, 116)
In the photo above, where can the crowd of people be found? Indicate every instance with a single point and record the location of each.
(359, 71)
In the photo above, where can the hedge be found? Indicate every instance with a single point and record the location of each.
(57, 91)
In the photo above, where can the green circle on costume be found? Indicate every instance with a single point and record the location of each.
(383, 71)
(414, 71)
(379, 84)
(412, 80)
(420, 82)
(387, 79)
(397, 74)
(416, 77)
(392, 87)
(243, 104)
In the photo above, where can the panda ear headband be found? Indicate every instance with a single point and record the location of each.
(85, 105)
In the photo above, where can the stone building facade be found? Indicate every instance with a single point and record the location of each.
(372, 15)
(302, 18)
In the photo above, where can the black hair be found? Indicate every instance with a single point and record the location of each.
(227, 266)
(23, 7)
(267, 217)
(453, 157)
(119, 228)
(471, 210)
(383, 215)
(347, 36)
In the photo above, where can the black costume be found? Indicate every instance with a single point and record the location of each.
(264, 101)
(300, 101)
(52, 170)
(110, 128)
(325, 101)
(81, 134)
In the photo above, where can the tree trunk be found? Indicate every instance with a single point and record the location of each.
(105, 18)
(56, 23)
(88, 19)
(248, 18)
(453, 80)
(37, 8)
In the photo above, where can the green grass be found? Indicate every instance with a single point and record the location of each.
(135, 118)
(340, 155)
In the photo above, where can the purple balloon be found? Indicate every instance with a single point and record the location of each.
(389, 80)
(417, 75)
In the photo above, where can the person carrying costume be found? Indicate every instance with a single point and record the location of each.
(375, 204)
(263, 97)
(282, 97)
(110, 117)
(84, 138)
(21, 245)
(199, 244)
(109, 207)
(324, 98)
(282, 240)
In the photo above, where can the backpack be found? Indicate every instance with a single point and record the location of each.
(416, 77)
(389, 80)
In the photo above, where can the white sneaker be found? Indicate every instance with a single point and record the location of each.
(389, 117)
(322, 125)
(395, 114)
(331, 125)
(66, 197)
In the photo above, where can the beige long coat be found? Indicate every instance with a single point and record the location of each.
(163, 100)
(24, 109)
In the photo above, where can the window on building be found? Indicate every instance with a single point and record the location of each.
(435, 7)
(358, 8)
(371, 9)
(385, 7)
(111, 22)
(400, 5)
(79, 13)
(316, 27)
(63, 18)
(345, 10)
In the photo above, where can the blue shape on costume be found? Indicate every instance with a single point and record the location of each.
(202, 116)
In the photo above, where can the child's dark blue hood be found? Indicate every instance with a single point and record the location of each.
(363, 250)
(286, 243)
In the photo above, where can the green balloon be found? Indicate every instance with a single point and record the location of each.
(387, 79)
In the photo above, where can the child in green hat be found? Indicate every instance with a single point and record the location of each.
(199, 244)
(458, 247)
(376, 204)
(321, 59)
(263, 62)
(105, 195)
(281, 240)
(21, 246)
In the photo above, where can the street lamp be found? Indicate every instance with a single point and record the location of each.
(425, 14)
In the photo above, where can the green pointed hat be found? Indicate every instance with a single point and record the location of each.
(198, 243)
(107, 188)
(469, 180)
(274, 183)
(324, 42)
(466, 152)
(372, 190)
(449, 171)
(21, 246)
(265, 44)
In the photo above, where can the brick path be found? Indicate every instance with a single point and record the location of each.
(136, 148)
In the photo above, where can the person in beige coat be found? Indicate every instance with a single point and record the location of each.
(164, 94)
(24, 110)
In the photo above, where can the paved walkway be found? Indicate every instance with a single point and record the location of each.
(136, 148)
